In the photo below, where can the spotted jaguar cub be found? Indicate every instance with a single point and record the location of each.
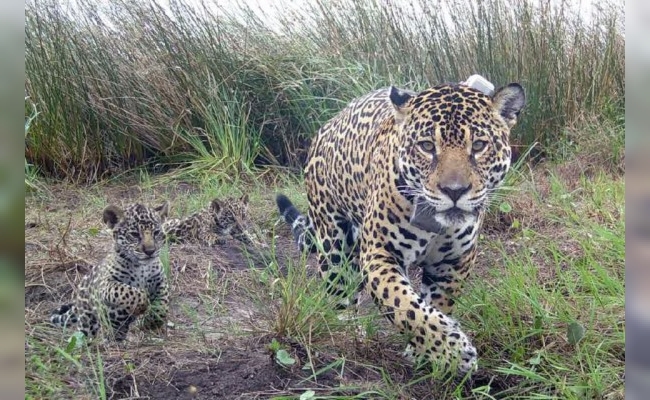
(129, 282)
(213, 224)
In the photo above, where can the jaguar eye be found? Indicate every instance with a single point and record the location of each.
(478, 145)
(427, 146)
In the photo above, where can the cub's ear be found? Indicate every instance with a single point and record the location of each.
(162, 210)
(399, 99)
(112, 215)
(508, 101)
(215, 206)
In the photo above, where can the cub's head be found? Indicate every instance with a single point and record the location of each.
(228, 212)
(136, 230)
(454, 146)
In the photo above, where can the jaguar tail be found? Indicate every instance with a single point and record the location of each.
(301, 226)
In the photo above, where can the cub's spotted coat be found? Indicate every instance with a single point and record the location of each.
(214, 224)
(129, 282)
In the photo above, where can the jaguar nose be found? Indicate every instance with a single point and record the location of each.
(455, 191)
(148, 243)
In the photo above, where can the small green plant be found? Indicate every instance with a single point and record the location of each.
(505, 207)
(308, 395)
(575, 332)
(98, 375)
(75, 342)
(280, 354)
(227, 145)
(274, 346)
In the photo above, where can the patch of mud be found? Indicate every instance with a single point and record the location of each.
(234, 255)
(227, 376)
(232, 374)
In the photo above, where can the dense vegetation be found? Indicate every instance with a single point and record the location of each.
(132, 83)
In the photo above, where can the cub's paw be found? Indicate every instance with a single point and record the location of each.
(140, 303)
(155, 320)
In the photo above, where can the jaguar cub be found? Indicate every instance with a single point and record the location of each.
(129, 282)
(213, 224)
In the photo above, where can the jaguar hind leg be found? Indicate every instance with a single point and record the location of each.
(338, 259)
(335, 242)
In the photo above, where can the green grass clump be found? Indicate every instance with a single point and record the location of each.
(551, 313)
(48, 362)
(132, 83)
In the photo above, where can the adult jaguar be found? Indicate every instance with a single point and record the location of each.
(129, 282)
(398, 179)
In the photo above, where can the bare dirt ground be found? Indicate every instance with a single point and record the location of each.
(218, 344)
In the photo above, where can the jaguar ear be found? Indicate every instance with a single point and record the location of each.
(244, 199)
(215, 206)
(399, 99)
(508, 101)
(162, 210)
(112, 215)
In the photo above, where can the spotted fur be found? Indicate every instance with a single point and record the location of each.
(213, 224)
(400, 179)
(129, 282)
